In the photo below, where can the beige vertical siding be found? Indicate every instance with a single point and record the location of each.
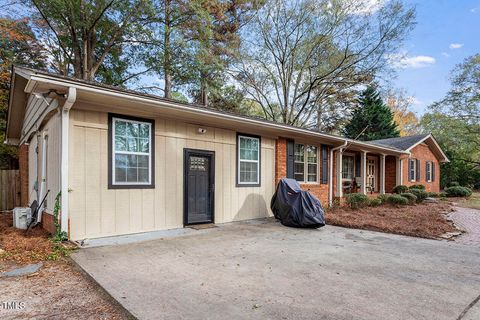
(97, 211)
(53, 129)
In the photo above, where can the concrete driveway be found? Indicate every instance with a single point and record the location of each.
(262, 270)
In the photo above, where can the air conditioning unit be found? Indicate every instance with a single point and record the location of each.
(21, 217)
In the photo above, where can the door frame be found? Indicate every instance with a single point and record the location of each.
(186, 154)
(375, 172)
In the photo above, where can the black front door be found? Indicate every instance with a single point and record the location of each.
(198, 186)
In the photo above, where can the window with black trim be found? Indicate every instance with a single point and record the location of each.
(131, 152)
(429, 171)
(248, 160)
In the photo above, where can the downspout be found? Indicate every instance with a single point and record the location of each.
(65, 116)
(330, 192)
(43, 181)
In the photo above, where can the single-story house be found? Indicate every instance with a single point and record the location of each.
(128, 162)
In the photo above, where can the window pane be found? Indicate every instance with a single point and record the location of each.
(299, 168)
(131, 145)
(143, 145)
(120, 174)
(132, 129)
(132, 161)
(132, 175)
(120, 161)
(312, 154)
(312, 169)
(120, 128)
(248, 172)
(299, 152)
(143, 161)
(299, 177)
(249, 148)
(120, 143)
(347, 167)
(143, 175)
(144, 130)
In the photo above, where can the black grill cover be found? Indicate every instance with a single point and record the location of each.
(295, 207)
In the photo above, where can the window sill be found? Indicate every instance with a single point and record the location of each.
(131, 186)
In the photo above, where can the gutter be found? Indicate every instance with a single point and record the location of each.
(65, 123)
(195, 110)
(330, 191)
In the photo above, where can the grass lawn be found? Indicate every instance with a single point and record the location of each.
(472, 202)
(426, 220)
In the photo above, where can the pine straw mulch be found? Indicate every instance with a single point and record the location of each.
(58, 290)
(20, 247)
(426, 220)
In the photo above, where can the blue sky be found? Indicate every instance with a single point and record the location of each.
(447, 32)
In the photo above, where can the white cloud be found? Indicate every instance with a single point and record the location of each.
(415, 62)
(475, 10)
(446, 55)
(455, 46)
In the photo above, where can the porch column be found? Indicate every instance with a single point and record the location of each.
(399, 168)
(382, 174)
(339, 192)
(363, 171)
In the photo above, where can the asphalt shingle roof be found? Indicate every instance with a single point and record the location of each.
(402, 143)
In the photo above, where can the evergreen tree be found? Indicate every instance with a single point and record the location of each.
(373, 117)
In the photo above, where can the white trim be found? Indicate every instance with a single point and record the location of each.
(306, 163)
(248, 160)
(115, 152)
(436, 145)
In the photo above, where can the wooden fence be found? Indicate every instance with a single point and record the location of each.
(9, 189)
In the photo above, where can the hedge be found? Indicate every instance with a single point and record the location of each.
(458, 191)
(357, 200)
(400, 189)
(397, 199)
(420, 194)
(417, 186)
(410, 197)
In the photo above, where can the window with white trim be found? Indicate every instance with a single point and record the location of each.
(248, 162)
(347, 167)
(412, 169)
(131, 163)
(428, 171)
(306, 163)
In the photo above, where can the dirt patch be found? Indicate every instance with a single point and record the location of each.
(57, 291)
(427, 220)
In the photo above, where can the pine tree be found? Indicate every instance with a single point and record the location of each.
(374, 115)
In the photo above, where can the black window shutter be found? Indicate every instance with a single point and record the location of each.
(418, 170)
(426, 171)
(433, 171)
(324, 164)
(290, 158)
(358, 171)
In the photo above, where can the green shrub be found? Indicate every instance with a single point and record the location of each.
(443, 195)
(397, 199)
(433, 194)
(458, 191)
(357, 200)
(382, 198)
(417, 186)
(400, 189)
(375, 202)
(410, 197)
(453, 184)
(420, 194)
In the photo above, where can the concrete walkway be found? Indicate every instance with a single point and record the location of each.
(469, 220)
(262, 270)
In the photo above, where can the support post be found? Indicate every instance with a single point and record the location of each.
(382, 174)
(399, 178)
(339, 173)
(363, 172)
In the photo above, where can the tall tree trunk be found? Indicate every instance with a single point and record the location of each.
(203, 90)
(167, 54)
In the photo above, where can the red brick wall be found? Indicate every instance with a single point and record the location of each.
(423, 153)
(23, 170)
(47, 222)
(390, 173)
(317, 189)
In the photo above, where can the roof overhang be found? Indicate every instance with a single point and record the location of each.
(434, 146)
(111, 99)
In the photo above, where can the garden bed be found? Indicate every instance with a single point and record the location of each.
(425, 220)
(58, 290)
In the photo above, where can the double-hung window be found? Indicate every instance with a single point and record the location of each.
(428, 171)
(412, 169)
(305, 163)
(131, 146)
(248, 160)
(347, 167)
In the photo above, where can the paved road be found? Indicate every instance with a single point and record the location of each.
(468, 220)
(262, 270)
